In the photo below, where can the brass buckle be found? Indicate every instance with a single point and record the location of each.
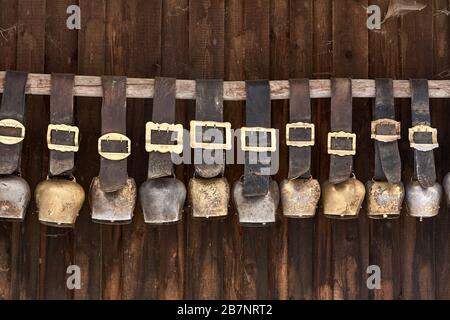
(341, 135)
(62, 147)
(245, 147)
(115, 156)
(421, 128)
(385, 137)
(11, 123)
(300, 125)
(163, 148)
(207, 145)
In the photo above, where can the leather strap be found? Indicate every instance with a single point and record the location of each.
(258, 114)
(387, 156)
(160, 164)
(61, 112)
(341, 120)
(113, 174)
(209, 107)
(424, 168)
(13, 107)
(299, 111)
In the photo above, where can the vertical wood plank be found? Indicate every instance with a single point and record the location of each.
(350, 238)
(418, 258)
(256, 273)
(91, 55)
(172, 239)
(385, 234)
(234, 70)
(205, 238)
(31, 58)
(8, 244)
(440, 120)
(300, 232)
(279, 69)
(60, 57)
(322, 62)
(140, 278)
(112, 239)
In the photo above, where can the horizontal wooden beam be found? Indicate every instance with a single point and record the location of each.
(90, 86)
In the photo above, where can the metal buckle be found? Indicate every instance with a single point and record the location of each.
(62, 147)
(342, 135)
(11, 123)
(271, 148)
(210, 146)
(421, 128)
(115, 156)
(300, 125)
(163, 148)
(385, 137)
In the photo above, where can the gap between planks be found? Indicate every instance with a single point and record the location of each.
(90, 86)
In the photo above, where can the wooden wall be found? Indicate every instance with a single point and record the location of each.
(233, 40)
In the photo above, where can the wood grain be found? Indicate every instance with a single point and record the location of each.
(441, 56)
(257, 264)
(141, 248)
(172, 239)
(279, 54)
(350, 238)
(91, 56)
(234, 70)
(385, 235)
(58, 244)
(235, 40)
(90, 86)
(9, 232)
(322, 68)
(31, 57)
(204, 261)
(418, 251)
(300, 231)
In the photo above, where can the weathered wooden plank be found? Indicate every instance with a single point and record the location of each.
(31, 58)
(418, 250)
(234, 70)
(8, 245)
(112, 245)
(204, 273)
(351, 238)
(385, 235)
(322, 67)
(300, 232)
(90, 86)
(91, 55)
(441, 119)
(58, 244)
(140, 261)
(172, 239)
(256, 263)
(279, 69)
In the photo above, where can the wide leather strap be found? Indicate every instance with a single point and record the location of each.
(387, 156)
(160, 164)
(258, 114)
(61, 112)
(209, 107)
(299, 111)
(113, 173)
(424, 168)
(13, 107)
(341, 120)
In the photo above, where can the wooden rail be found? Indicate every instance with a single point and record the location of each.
(90, 86)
